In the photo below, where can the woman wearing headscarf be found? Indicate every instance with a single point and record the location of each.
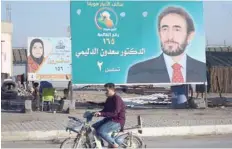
(36, 57)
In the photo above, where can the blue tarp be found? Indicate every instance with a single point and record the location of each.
(45, 84)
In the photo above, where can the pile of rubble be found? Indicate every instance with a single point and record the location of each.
(23, 92)
(155, 99)
(11, 90)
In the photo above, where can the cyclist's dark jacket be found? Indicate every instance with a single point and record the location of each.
(114, 109)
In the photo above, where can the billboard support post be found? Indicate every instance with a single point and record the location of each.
(206, 100)
(72, 102)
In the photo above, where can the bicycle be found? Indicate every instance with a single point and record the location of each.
(86, 135)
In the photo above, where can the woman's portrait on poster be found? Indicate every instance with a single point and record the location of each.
(36, 57)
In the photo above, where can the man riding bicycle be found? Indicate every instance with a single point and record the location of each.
(114, 113)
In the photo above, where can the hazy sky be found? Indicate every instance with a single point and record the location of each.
(50, 19)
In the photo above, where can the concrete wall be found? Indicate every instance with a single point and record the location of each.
(6, 48)
(19, 69)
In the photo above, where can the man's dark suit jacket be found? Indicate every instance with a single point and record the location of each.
(155, 71)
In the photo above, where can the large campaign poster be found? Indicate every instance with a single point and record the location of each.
(138, 42)
(49, 59)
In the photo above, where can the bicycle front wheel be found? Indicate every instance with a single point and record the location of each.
(74, 143)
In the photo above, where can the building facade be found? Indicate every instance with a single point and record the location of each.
(6, 48)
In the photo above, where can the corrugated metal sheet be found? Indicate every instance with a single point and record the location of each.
(24, 55)
(220, 48)
(16, 56)
(19, 56)
(219, 58)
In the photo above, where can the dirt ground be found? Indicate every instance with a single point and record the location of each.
(96, 96)
(86, 95)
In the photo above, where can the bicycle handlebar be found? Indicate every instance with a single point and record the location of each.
(75, 119)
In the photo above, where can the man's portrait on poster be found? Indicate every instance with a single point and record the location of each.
(176, 30)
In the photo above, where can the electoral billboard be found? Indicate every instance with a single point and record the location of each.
(138, 42)
(49, 59)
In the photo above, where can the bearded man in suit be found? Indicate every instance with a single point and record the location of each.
(176, 30)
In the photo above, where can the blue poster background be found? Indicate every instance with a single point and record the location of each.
(136, 27)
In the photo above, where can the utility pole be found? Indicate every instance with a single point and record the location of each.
(72, 100)
(8, 12)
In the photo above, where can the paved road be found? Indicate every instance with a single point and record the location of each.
(219, 141)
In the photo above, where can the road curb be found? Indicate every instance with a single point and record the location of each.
(147, 132)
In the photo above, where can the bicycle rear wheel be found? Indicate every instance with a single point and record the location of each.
(132, 141)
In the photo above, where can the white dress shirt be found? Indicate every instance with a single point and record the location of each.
(169, 62)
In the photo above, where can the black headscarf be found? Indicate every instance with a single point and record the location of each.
(37, 60)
